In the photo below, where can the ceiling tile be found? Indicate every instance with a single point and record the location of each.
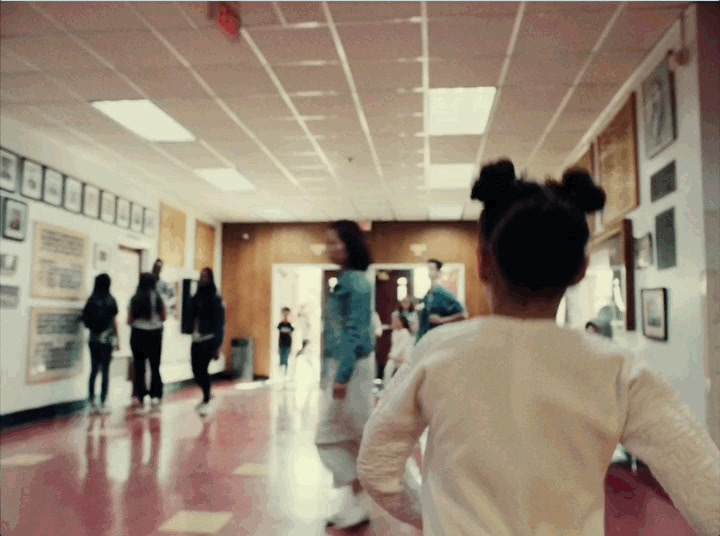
(529, 98)
(314, 78)
(381, 126)
(460, 37)
(295, 44)
(9, 63)
(193, 154)
(569, 7)
(381, 41)
(500, 145)
(593, 97)
(477, 71)
(561, 141)
(50, 52)
(386, 75)
(258, 14)
(97, 85)
(32, 88)
(341, 104)
(81, 115)
(639, 30)
(236, 80)
(93, 16)
(470, 9)
(525, 123)
(612, 68)
(197, 12)
(561, 32)
(544, 69)
(373, 11)
(576, 120)
(19, 18)
(454, 149)
(258, 106)
(131, 49)
(299, 12)
(166, 82)
(163, 15)
(390, 104)
(208, 46)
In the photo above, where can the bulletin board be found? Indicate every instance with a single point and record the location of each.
(204, 245)
(587, 161)
(173, 227)
(56, 344)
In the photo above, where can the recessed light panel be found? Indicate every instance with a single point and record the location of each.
(227, 179)
(450, 176)
(459, 111)
(145, 119)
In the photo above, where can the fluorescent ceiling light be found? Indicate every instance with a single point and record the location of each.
(227, 179)
(459, 111)
(445, 212)
(144, 119)
(276, 214)
(450, 176)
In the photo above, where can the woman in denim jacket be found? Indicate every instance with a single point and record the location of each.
(348, 369)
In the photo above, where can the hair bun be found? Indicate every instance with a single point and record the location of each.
(578, 186)
(495, 183)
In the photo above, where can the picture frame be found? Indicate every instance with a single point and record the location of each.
(72, 195)
(644, 251)
(53, 187)
(654, 313)
(15, 219)
(122, 213)
(102, 257)
(659, 122)
(91, 201)
(8, 264)
(666, 239)
(137, 218)
(107, 207)
(150, 223)
(8, 171)
(31, 179)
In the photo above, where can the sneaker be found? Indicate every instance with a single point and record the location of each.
(204, 409)
(104, 410)
(93, 409)
(154, 402)
(357, 514)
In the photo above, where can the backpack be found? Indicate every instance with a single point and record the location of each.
(98, 314)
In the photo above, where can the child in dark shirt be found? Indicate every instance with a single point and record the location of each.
(285, 342)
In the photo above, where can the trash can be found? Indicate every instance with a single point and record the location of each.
(243, 359)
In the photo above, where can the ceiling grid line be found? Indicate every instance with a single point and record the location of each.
(578, 78)
(279, 14)
(358, 105)
(510, 51)
(187, 17)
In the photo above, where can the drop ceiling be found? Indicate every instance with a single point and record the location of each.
(322, 106)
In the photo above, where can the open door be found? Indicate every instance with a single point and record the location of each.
(391, 286)
(329, 280)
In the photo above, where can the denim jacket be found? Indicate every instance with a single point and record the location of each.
(347, 323)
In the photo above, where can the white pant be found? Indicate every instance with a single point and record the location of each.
(390, 367)
(342, 421)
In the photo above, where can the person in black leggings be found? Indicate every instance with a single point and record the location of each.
(99, 316)
(208, 319)
(146, 316)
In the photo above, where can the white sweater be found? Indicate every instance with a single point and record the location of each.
(523, 420)
(401, 346)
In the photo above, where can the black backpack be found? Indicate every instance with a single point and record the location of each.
(98, 314)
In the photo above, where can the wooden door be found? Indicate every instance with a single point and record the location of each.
(390, 286)
(329, 278)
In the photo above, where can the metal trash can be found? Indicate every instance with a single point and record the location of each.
(243, 359)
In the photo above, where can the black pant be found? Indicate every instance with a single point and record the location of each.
(200, 355)
(147, 345)
(100, 356)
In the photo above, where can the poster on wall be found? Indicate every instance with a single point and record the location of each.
(8, 171)
(122, 215)
(55, 344)
(14, 219)
(72, 199)
(8, 264)
(53, 189)
(170, 294)
(31, 179)
(102, 259)
(150, 224)
(59, 260)
(658, 109)
(9, 297)
(137, 218)
(107, 207)
(91, 201)
(173, 228)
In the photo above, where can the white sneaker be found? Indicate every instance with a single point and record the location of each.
(93, 410)
(104, 410)
(204, 409)
(356, 514)
(154, 402)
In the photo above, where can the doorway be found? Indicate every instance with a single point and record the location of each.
(392, 285)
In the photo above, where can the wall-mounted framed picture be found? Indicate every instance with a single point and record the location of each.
(8, 264)
(8, 171)
(150, 225)
(107, 207)
(644, 251)
(14, 224)
(91, 201)
(658, 109)
(72, 197)
(31, 179)
(137, 218)
(654, 313)
(122, 214)
(666, 246)
(102, 258)
(53, 188)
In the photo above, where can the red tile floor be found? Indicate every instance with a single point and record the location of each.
(249, 469)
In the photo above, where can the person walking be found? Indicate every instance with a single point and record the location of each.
(524, 415)
(99, 316)
(348, 369)
(439, 306)
(146, 316)
(400, 347)
(285, 329)
(207, 313)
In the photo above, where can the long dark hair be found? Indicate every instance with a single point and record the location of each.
(141, 304)
(101, 289)
(358, 253)
(202, 301)
(536, 233)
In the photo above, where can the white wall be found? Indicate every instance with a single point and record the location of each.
(681, 358)
(15, 393)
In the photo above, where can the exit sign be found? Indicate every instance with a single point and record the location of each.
(227, 17)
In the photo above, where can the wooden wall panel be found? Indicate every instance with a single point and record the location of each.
(173, 231)
(204, 245)
(250, 250)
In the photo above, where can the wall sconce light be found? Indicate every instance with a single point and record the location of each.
(318, 249)
(418, 249)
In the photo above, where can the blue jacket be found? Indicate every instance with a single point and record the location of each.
(348, 322)
(438, 301)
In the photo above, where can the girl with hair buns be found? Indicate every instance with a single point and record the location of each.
(523, 415)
